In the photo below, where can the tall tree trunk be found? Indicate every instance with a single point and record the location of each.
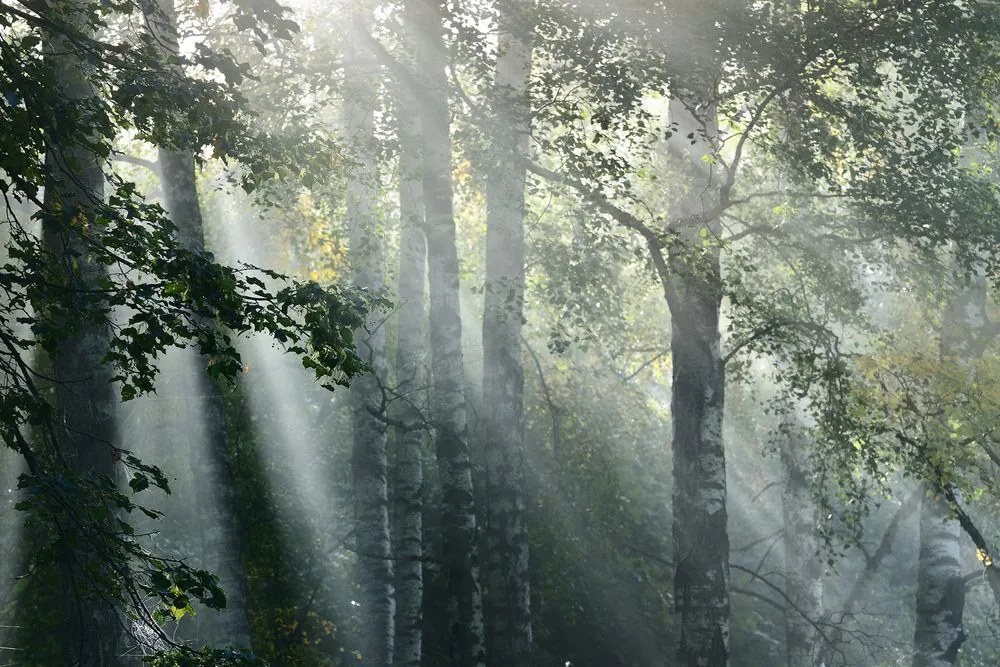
(803, 565)
(938, 632)
(84, 395)
(368, 458)
(448, 414)
(221, 543)
(701, 540)
(411, 382)
(502, 416)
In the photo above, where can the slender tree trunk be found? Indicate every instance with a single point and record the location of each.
(411, 382)
(803, 565)
(502, 415)
(938, 632)
(84, 394)
(701, 540)
(222, 545)
(368, 459)
(448, 413)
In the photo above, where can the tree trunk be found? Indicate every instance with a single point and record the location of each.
(368, 458)
(411, 383)
(84, 394)
(448, 414)
(803, 565)
(221, 543)
(938, 632)
(701, 540)
(502, 417)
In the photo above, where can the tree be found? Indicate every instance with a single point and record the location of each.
(368, 459)
(447, 408)
(502, 416)
(105, 249)
(222, 544)
(411, 384)
(84, 401)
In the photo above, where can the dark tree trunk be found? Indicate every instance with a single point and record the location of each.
(85, 397)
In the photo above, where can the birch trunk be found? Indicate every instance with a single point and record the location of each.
(502, 416)
(803, 565)
(938, 631)
(448, 413)
(368, 459)
(221, 543)
(701, 540)
(85, 398)
(411, 381)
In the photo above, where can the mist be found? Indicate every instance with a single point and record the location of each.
(499, 334)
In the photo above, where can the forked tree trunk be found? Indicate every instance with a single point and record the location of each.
(221, 542)
(84, 395)
(448, 412)
(368, 458)
(502, 416)
(411, 383)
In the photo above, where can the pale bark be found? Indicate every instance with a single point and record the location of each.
(448, 410)
(84, 395)
(803, 564)
(411, 382)
(368, 405)
(502, 415)
(221, 543)
(701, 540)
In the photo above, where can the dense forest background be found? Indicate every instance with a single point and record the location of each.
(510, 333)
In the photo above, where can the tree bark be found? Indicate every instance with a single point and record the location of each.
(369, 468)
(701, 540)
(803, 565)
(411, 382)
(221, 543)
(448, 411)
(938, 631)
(502, 416)
(84, 394)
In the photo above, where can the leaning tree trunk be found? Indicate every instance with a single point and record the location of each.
(803, 565)
(448, 413)
(502, 417)
(701, 540)
(368, 458)
(221, 543)
(85, 398)
(411, 383)
(938, 632)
